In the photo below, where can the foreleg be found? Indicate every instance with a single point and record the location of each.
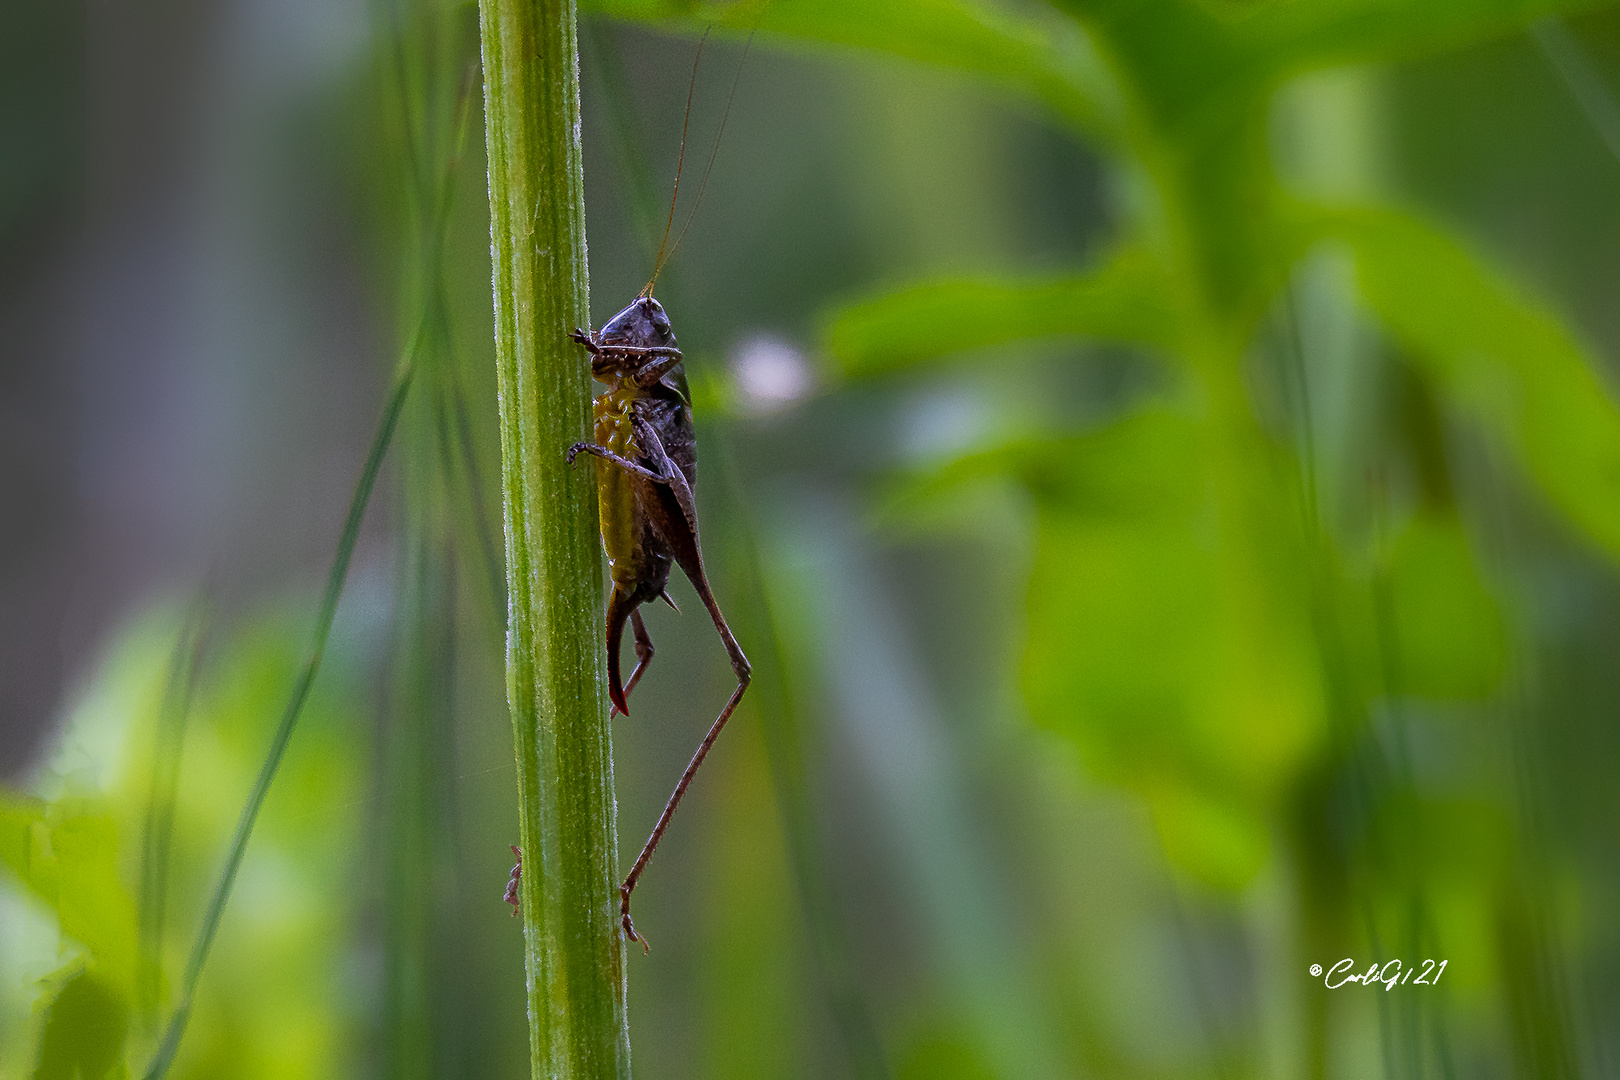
(666, 354)
(648, 374)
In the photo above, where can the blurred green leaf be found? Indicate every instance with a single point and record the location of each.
(1331, 32)
(1178, 664)
(1499, 355)
(282, 1001)
(1049, 59)
(1421, 621)
(1220, 841)
(83, 1033)
(66, 855)
(1126, 299)
(1198, 65)
(1449, 636)
(1466, 842)
(942, 1052)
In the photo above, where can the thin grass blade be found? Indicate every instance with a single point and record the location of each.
(289, 718)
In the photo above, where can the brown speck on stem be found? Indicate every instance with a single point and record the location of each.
(511, 896)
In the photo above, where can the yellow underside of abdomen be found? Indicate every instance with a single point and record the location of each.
(616, 496)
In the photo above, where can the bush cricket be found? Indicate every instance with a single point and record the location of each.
(647, 446)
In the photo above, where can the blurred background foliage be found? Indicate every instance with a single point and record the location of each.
(1161, 457)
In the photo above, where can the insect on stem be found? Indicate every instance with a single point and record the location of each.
(646, 447)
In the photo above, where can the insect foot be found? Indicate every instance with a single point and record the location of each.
(624, 919)
(575, 450)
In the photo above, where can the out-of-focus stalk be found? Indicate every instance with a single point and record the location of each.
(556, 654)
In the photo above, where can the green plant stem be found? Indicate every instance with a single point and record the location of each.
(556, 653)
(157, 835)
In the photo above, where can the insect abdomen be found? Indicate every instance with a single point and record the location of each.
(616, 498)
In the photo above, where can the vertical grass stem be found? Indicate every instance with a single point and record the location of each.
(556, 654)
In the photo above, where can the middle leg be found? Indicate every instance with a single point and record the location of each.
(644, 651)
(618, 459)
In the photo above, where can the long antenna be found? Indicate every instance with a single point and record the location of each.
(665, 254)
(680, 162)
